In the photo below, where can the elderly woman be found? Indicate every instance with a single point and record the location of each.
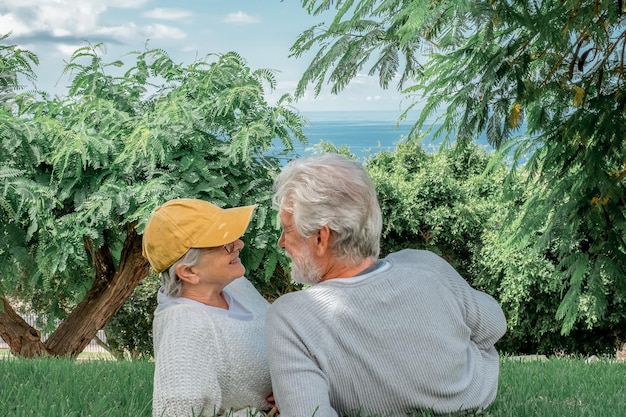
(209, 346)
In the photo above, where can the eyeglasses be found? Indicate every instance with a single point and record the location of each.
(229, 247)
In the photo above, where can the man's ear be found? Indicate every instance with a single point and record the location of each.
(186, 273)
(322, 240)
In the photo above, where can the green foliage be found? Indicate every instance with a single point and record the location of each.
(14, 62)
(347, 45)
(551, 70)
(437, 201)
(529, 286)
(76, 172)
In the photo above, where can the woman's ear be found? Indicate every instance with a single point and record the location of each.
(186, 273)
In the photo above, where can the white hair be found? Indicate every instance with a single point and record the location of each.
(335, 191)
(172, 284)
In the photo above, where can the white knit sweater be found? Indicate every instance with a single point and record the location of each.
(410, 335)
(210, 360)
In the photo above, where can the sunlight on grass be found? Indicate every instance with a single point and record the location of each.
(62, 387)
(109, 388)
(560, 387)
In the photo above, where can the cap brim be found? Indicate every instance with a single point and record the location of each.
(230, 226)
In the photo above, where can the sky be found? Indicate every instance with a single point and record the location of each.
(261, 31)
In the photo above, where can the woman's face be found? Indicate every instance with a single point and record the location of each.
(217, 266)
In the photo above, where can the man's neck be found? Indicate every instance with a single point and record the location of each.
(338, 270)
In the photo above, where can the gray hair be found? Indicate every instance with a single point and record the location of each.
(172, 284)
(335, 191)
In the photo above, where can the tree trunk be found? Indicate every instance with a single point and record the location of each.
(110, 289)
(23, 340)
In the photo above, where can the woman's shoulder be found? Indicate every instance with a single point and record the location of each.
(186, 314)
(245, 292)
(242, 284)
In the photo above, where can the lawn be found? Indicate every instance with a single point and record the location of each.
(63, 388)
(560, 387)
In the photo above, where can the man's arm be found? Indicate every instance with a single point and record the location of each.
(483, 315)
(300, 387)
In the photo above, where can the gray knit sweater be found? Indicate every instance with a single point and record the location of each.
(209, 361)
(411, 335)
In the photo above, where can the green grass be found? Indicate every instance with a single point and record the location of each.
(560, 387)
(62, 388)
(82, 356)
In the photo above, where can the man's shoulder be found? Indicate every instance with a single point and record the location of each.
(289, 299)
(297, 301)
(413, 256)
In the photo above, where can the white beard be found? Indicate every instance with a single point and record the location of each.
(305, 271)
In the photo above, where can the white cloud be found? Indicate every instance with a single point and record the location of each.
(366, 80)
(168, 14)
(124, 4)
(66, 50)
(82, 20)
(240, 17)
(58, 18)
(128, 30)
(132, 31)
(159, 31)
(9, 23)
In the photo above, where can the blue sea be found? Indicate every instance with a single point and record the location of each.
(363, 132)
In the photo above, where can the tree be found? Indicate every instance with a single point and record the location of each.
(524, 280)
(551, 70)
(81, 175)
(14, 62)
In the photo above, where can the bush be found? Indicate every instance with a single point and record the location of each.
(529, 286)
(439, 201)
(129, 331)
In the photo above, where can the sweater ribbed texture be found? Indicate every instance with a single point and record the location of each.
(209, 361)
(410, 336)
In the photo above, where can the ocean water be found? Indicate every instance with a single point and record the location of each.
(363, 132)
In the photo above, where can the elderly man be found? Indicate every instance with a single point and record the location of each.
(370, 336)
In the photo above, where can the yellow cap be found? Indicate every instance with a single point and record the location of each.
(182, 224)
